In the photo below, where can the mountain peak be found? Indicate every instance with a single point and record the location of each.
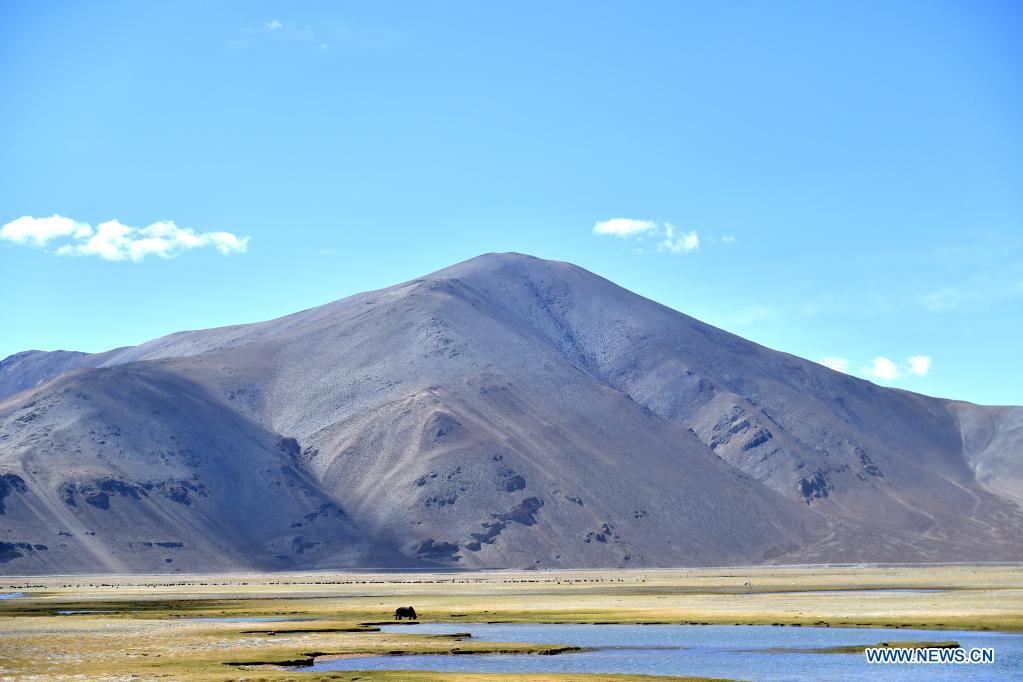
(496, 261)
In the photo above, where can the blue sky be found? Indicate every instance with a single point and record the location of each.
(839, 179)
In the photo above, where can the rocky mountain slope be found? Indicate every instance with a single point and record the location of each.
(507, 411)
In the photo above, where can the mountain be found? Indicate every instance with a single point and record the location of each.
(504, 412)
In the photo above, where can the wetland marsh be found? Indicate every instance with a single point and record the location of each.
(291, 626)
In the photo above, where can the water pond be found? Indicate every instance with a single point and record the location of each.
(880, 590)
(731, 651)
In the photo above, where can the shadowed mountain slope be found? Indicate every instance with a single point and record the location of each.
(506, 411)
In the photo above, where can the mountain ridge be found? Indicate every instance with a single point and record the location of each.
(457, 418)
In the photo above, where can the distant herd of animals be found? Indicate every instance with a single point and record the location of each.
(403, 612)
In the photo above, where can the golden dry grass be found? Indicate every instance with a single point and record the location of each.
(146, 628)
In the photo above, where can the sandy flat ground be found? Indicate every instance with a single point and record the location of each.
(146, 624)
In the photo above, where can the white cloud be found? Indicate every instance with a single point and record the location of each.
(837, 364)
(671, 239)
(115, 241)
(624, 227)
(920, 365)
(273, 24)
(39, 231)
(674, 242)
(882, 368)
(728, 239)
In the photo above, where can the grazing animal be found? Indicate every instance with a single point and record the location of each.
(405, 612)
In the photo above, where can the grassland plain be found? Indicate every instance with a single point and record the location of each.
(161, 626)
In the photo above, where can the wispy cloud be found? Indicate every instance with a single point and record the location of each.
(882, 368)
(742, 319)
(624, 227)
(276, 31)
(317, 37)
(670, 238)
(837, 364)
(945, 298)
(115, 241)
(975, 293)
(678, 242)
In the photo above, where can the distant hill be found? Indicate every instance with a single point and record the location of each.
(504, 412)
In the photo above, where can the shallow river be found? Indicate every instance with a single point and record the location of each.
(730, 651)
